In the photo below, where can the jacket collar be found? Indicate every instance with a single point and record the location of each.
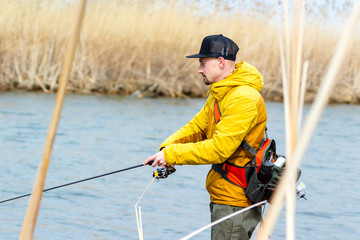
(243, 75)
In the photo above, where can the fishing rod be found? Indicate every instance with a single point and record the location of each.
(79, 181)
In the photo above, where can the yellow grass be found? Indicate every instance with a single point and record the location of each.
(297, 138)
(138, 45)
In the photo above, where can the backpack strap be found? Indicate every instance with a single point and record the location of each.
(239, 175)
(248, 148)
(232, 173)
(217, 113)
(244, 144)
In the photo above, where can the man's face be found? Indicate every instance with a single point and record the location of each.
(210, 70)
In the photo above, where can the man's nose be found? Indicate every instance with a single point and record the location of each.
(200, 70)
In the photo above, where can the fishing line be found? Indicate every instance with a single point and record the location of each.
(138, 210)
(221, 220)
(79, 181)
(159, 173)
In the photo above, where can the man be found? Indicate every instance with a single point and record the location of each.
(234, 111)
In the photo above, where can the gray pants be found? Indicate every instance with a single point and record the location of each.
(239, 227)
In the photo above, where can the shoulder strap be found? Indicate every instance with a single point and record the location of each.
(247, 147)
(244, 144)
(217, 113)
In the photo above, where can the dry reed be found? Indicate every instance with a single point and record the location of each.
(141, 45)
(28, 228)
(297, 138)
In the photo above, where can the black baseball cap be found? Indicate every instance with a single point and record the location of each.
(217, 46)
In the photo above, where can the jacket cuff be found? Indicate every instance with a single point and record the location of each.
(166, 156)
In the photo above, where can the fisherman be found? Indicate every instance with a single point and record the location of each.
(234, 111)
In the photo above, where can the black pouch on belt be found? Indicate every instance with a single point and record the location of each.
(255, 190)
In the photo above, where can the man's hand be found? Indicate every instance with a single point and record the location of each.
(158, 160)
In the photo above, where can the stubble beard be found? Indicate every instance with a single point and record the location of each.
(206, 80)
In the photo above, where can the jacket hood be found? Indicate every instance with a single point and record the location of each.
(243, 75)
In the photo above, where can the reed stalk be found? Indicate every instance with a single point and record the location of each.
(34, 203)
(296, 155)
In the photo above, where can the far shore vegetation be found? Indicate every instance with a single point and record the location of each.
(140, 46)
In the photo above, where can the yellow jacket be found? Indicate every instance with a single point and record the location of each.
(201, 141)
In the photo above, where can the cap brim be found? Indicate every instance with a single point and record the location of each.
(197, 56)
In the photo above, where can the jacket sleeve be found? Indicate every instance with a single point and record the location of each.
(238, 118)
(193, 131)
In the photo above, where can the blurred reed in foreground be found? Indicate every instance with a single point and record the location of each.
(141, 45)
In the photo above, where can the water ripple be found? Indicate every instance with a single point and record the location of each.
(99, 134)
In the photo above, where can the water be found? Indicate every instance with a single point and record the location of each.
(99, 134)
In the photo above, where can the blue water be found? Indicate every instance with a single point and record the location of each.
(99, 134)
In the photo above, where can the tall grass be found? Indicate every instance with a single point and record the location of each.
(298, 137)
(141, 45)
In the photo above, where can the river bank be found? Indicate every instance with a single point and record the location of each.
(141, 47)
(276, 97)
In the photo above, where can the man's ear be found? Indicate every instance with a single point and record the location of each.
(221, 62)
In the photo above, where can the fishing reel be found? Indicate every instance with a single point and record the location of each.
(163, 172)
